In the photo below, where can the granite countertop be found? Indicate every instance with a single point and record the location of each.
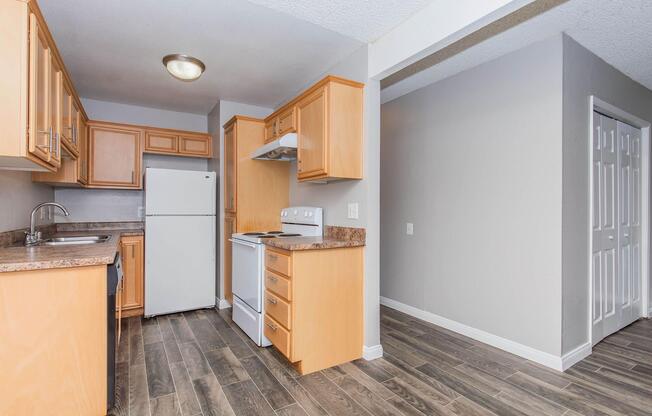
(335, 237)
(17, 257)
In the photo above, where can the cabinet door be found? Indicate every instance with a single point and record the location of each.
(74, 121)
(82, 160)
(195, 145)
(131, 249)
(287, 121)
(56, 79)
(312, 134)
(230, 227)
(114, 156)
(66, 115)
(40, 136)
(230, 168)
(270, 130)
(160, 142)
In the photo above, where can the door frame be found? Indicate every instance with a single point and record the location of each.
(596, 104)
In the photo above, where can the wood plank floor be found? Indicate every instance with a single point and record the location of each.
(200, 363)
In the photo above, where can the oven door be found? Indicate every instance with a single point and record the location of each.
(247, 272)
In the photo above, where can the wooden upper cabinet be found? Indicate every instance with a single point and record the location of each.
(82, 160)
(56, 80)
(329, 128)
(31, 89)
(230, 167)
(192, 145)
(161, 142)
(281, 122)
(287, 121)
(179, 143)
(312, 141)
(114, 154)
(41, 134)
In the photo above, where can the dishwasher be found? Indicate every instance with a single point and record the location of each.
(114, 278)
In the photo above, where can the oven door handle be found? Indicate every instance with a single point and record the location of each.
(243, 243)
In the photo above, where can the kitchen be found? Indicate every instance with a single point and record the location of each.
(135, 234)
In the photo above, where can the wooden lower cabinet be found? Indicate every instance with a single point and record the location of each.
(314, 305)
(229, 228)
(53, 346)
(132, 296)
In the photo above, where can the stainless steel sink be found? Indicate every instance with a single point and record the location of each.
(72, 240)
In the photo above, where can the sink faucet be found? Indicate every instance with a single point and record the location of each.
(33, 237)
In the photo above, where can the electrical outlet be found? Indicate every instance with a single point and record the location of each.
(141, 212)
(409, 229)
(353, 211)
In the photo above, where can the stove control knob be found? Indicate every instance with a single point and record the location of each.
(296, 212)
(305, 214)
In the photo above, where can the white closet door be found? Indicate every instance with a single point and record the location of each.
(616, 222)
(631, 236)
(609, 231)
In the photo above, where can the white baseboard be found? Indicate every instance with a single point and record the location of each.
(373, 352)
(575, 356)
(222, 303)
(532, 354)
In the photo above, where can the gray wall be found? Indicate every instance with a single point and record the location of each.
(334, 197)
(475, 163)
(18, 195)
(124, 205)
(585, 74)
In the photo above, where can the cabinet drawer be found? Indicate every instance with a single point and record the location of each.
(277, 262)
(278, 336)
(278, 284)
(278, 309)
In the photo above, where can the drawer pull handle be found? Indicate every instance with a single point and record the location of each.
(272, 301)
(272, 256)
(271, 326)
(273, 279)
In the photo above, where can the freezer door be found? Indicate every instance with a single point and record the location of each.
(179, 263)
(179, 192)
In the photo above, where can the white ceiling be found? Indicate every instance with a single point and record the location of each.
(253, 54)
(360, 19)
(618, 31)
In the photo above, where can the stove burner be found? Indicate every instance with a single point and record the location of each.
(274, 232)
(289, 235)
(254, 233)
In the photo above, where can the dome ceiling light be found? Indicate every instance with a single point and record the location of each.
(183, 67)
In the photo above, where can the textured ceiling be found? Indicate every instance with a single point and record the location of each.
(364, 20)
(253, 54)
(618, 31)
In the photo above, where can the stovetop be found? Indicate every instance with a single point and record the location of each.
(258, 237)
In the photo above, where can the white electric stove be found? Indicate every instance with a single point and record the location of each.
(248, 266)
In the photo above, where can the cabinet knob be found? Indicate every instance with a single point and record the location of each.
(271, 326)
(272, 301)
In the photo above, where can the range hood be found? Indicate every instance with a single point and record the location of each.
(284, 148)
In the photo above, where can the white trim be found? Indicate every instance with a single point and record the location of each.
(532, 354)
(604, 107)
(575, 356)
(373, 352)
(222, 303)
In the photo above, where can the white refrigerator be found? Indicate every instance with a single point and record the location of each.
(179, 240)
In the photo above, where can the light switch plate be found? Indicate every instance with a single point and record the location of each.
(353, 211)
(409, 229)
(141, 212)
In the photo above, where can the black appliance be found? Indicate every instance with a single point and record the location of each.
(114, 278)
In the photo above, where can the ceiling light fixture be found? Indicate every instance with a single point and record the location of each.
(183, 67)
